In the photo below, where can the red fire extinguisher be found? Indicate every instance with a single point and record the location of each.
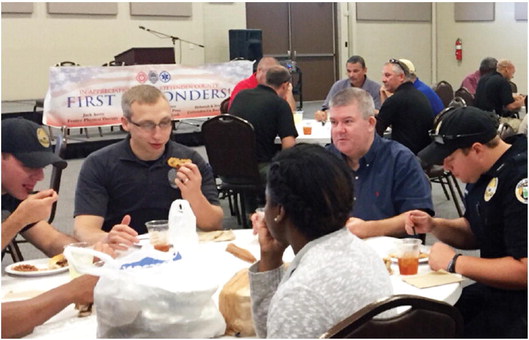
(459, 49)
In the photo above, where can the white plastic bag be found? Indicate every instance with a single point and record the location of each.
(182, 226)
(152, 294)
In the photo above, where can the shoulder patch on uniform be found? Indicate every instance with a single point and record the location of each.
(521, 191)
(490, 190)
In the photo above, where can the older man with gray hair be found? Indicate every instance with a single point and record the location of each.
(388, 179)
(470, 82)
(494, 93)
(433, 98)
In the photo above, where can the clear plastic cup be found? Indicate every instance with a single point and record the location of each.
(159, 234)
(307, 128)
(408, 256)
(79, 259)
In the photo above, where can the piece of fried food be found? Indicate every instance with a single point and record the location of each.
(174, 162)
(387, 263)
(84, 310)
(241, 253)
(58, 261)
(25, 268)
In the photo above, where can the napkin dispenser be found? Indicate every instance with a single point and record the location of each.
(182, 226)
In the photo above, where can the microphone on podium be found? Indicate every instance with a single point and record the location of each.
(143, 28)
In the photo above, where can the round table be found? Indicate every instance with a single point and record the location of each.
(67, 324)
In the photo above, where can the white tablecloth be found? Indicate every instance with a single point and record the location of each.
(66, 324)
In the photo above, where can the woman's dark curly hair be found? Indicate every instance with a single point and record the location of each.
(313, 186)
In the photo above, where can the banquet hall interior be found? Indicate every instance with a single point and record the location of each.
(39, 35)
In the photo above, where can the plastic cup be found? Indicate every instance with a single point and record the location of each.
(159, 234)
(408, 256)
(259, 220)
(307, 128)
(79, 259)
(298, 117)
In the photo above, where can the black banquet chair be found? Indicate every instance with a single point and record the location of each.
(56, 171)
(230, 147)
(425, 318)
(463, 93)
(437, 174)
(445, 91)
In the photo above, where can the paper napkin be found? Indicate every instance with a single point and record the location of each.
(432, 279)
(216, 236)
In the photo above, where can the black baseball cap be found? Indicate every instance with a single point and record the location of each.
(459, 128)
(29, 143)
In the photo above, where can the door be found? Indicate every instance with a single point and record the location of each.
(304, 32)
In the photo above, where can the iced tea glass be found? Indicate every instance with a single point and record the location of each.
(408, 256)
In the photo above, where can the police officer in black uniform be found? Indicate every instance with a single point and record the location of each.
(495, 221)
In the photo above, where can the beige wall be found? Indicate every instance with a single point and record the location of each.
(502, 38)
(32, 43)
(431, 46)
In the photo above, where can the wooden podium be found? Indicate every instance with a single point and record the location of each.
(146, 55)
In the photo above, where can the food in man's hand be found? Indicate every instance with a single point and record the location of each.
(25, 268)
(387, 262)
(177, 162)
(241, 253)
(58, 261)
(84, 310)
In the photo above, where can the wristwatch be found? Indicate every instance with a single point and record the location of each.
(451, 268)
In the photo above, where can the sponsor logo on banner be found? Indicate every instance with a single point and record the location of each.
(87, 96)
(153, 77)
(165, 77)
(141, 77)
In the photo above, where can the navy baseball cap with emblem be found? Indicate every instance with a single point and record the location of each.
(29, 143)
(459, 128)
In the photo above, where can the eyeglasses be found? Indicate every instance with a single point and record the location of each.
(402, 66)
(150, 126)
(442, 139)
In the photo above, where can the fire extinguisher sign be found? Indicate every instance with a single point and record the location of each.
(459, 49)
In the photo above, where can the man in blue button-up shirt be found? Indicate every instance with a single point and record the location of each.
(388, 178)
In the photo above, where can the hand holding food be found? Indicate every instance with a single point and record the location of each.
(320, 116)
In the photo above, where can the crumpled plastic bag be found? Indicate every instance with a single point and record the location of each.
(153, 294)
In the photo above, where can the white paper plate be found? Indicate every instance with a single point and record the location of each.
(41, 264)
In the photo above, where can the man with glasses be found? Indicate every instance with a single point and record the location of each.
(124, 185)
(407, 111)
(495, 221)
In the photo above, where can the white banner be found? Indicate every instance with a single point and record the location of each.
(91, 96)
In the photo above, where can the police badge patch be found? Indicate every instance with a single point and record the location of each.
(521, 191)
(491, 189)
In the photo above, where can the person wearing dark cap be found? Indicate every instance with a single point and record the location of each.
(465, 141)
(26, 150)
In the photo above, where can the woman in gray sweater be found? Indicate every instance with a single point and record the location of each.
(334, 273)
